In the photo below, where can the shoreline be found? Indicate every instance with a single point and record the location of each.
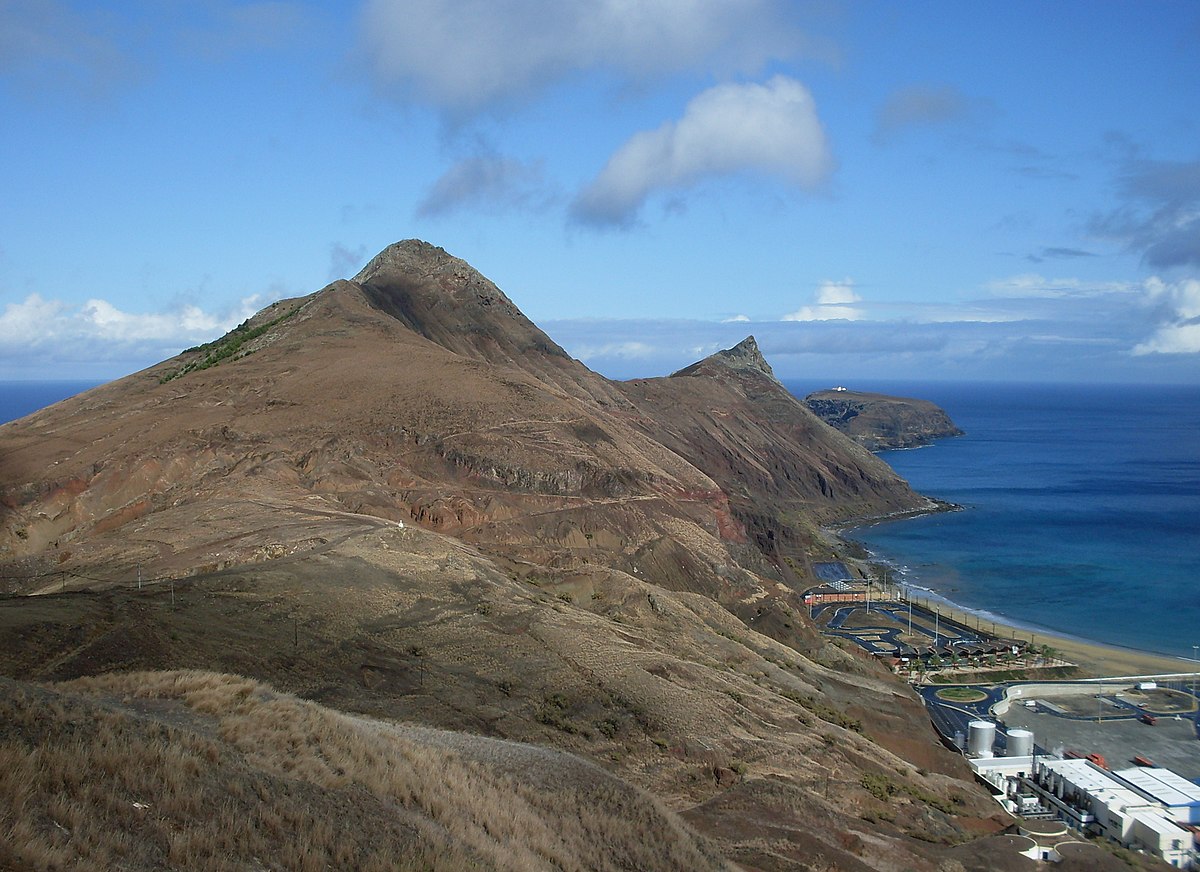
(1094, 659)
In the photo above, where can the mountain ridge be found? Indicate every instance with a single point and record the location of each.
(461, 527)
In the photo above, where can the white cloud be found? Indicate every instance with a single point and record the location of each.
(465, 55)
(833, 301)
(98, 327)
(735, 319)
(1035, 286)
(834, 293)
(1032, 285)
(1183, 297)
(771, 128)
(21, 321)
(1172, 339)
(1159, 215)
(624, 350)
(1181, 332)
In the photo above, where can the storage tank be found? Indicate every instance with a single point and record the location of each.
(981, 735)
(1020, 743)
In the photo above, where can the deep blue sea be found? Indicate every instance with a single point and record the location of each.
(1081, 509)
(19, 398)
(1081, 505)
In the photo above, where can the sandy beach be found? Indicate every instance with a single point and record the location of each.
(1094, 659)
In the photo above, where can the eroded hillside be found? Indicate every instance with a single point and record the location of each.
(397, 497)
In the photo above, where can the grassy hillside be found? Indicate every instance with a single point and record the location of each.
(190, 769)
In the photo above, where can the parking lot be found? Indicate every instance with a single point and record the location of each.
(1108, 730)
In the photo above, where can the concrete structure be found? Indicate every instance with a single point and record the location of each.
(1093, 801)
(1180, 796)
(1090, 799)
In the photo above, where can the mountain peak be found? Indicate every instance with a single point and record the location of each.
(449, 302)
(416, 258)
(746, 355)
(743, 356)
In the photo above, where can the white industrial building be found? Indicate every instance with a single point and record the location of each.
(1092, 800)
(1139, 808)
(1180, 796)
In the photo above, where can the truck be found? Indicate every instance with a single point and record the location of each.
(1147, 718)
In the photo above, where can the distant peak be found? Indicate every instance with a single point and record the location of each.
(743, 356)
(746, 354)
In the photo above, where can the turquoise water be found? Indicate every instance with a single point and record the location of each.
(1081, 509)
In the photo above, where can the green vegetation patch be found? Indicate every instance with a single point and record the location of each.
(883, 788)
(961, 694)
(824, 711)
(227, 346)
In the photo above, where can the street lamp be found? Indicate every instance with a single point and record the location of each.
(1195, 648)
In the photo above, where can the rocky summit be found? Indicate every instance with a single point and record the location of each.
(396, 517)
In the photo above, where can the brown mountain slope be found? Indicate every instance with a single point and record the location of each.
(783, 469)
(396, 496)
(210, 775)
(339, 407)
(668, 691)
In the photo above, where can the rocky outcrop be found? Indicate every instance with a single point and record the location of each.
(731, 417)
(743, 357)
(879, 422)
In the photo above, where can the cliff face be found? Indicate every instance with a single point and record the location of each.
(398, 497)
(782, 469)
(879, 422)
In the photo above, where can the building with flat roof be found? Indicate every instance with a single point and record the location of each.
(1180, 796)
(1094, 800)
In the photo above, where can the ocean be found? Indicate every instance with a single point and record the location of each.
(20, 398)
(1081, 505)
(1081, 509)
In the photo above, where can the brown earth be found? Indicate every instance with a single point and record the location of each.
(398, 498)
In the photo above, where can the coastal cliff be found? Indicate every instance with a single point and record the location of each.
(879, 422)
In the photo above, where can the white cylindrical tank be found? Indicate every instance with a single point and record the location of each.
(1020, 743)
(981, 735)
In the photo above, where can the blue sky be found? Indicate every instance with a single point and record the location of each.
(874, 190)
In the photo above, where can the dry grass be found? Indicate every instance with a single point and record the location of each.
(203, 771)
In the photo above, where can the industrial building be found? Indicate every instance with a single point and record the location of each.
(1141, 808)
(1180, 796)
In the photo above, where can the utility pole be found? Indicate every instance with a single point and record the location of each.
(1195, 649)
